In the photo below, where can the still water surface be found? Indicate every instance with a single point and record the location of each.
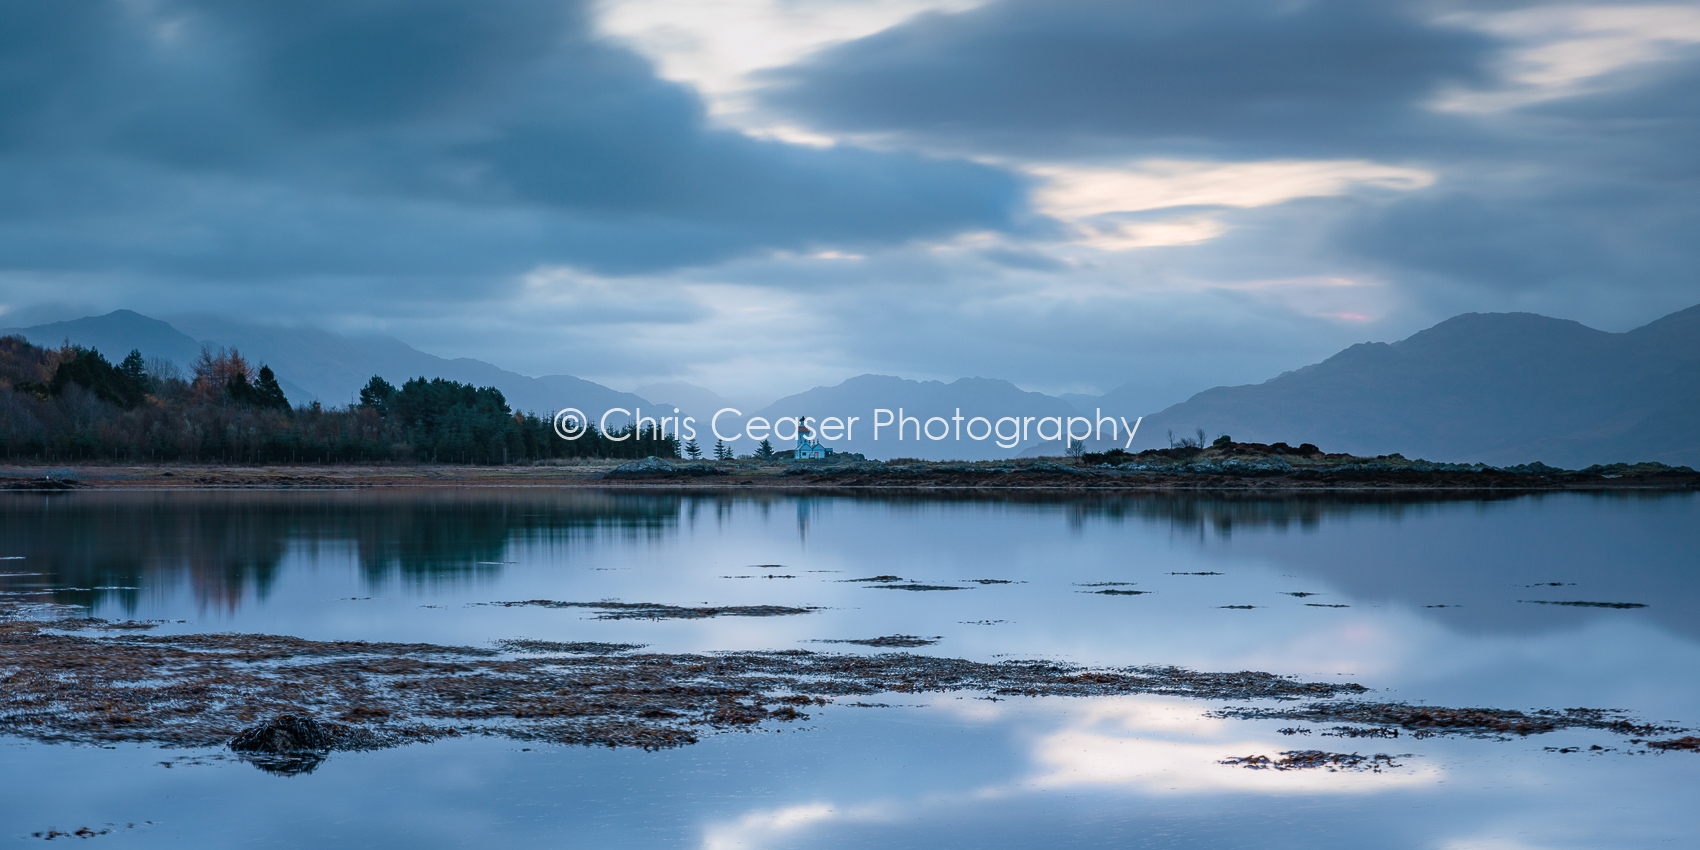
(949, 770)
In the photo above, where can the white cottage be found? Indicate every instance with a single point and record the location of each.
(808, 449)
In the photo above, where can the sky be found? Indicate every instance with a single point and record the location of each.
(761, 196)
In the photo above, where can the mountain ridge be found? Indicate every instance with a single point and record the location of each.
(1490, 387)
(314, 364)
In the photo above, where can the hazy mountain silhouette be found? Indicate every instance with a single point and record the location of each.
(689, 398)
(859, 396)
(1499, 388)
(115, 334)
(314, 364)
(1495, 387)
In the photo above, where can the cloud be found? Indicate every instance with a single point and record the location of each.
(1165, 746)
(1563, 51)
(717, 47)
(276, 139)
(1311, 79)
(1465, 156)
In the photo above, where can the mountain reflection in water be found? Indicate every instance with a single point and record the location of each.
(1418, 549)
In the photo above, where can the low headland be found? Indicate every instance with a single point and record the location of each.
(1224, 465)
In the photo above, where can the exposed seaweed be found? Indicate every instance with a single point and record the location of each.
(586, 647)
(1689, 743)
(62, 684)
(658, 611)
(1426, 721)
(1313, 759)
(888, 640)
(918, 587)
(1584, 604)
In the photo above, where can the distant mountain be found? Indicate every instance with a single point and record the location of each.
(689, 398)
(1081, 401)
(860, 396)
(314, 364)
(115, 334)
(119, 332)
(1499, 388)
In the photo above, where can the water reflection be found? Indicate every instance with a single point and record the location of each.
(952, 772)
(1412, 549)
(94, 547)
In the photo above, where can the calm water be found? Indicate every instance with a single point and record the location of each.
(946, 770)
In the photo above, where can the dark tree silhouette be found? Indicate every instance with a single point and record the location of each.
(267, 393)
(377, 395)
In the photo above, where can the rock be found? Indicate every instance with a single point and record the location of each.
(654, 467)
(287, 733)
(289, 745)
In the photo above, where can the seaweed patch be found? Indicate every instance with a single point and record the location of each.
(918, 587)
(658, 611)
(1314, 759)
(1584, 604)
(286, 703)
(888, 640)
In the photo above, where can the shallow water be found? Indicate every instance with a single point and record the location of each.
(949, 770)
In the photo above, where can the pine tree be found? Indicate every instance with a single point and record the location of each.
(692, 450)
(720, 450)
(267, 393)
(133, 375)
(765, 450)
(377, 395)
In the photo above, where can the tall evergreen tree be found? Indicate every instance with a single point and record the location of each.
(377, 395)
(765, 450)
(134, 374)
(720, 450)
(267, 393)
(692, 450)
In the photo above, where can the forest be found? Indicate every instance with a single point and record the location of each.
(73, 404)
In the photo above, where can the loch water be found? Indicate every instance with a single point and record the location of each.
(1423, 598)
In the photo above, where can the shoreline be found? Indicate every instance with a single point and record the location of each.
(1044, 475)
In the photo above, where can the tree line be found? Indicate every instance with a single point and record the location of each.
(73, 404)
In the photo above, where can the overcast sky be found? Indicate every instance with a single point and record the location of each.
(760, 196)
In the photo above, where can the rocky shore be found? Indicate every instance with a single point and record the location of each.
(1224, 466)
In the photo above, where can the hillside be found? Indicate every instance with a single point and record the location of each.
(314, 364)
(1499, 388)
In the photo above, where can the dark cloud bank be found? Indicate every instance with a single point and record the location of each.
(389, 138)
(1563, 198)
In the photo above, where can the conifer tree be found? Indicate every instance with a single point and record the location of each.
(134, 374)
(765, 450)
(377, 395)
(720, 450)
(267, 393)
(692, 450)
